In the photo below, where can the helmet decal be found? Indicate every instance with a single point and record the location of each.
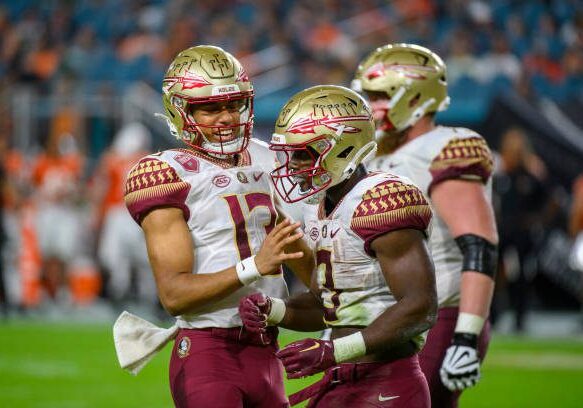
(307, 124)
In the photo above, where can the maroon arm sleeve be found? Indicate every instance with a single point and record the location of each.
(466, 159)
(154, 183)
(389, 206)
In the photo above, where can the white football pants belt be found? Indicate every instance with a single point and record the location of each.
(137, 341)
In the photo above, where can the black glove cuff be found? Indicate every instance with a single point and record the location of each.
(465, 339)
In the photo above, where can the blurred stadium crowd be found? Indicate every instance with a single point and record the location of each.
(67, 139)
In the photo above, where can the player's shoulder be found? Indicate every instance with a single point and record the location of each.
(446, 138)
(461, 153)
(154, 181)
(386, 192)
(391, 198)
(388, 203)
(261, 154)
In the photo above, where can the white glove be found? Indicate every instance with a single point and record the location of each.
(461, 366)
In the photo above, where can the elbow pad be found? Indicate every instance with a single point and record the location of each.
(479, 254)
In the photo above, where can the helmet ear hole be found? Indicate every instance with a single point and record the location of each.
(344, 153)
(414, 100)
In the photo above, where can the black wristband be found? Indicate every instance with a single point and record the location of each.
(465, 339)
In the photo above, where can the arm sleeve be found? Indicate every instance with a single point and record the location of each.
(465, 159)
(390, 206)
(153, 183)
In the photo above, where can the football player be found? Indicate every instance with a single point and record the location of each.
(406, 85)
(375, 283)
(213, 235)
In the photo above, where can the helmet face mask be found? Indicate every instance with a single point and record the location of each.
(321, 135)
(405, 82)
(209, 79)
(301, 174)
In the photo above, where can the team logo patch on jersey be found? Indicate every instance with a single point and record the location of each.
(188, 162)
(183, 348)
(242, 177)
(222, 180)
(314, 234)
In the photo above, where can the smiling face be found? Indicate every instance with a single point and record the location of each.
(219, 122)
(208, 100)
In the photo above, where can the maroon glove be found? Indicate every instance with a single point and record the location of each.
(306, 357)
(253, 310)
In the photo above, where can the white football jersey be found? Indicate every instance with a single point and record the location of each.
(353, 288)
(442, 154)
(229, 211)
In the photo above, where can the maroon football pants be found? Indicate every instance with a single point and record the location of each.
(216, 368)
(432, 355)
(396, 384)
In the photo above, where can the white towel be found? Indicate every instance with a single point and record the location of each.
(137, 341)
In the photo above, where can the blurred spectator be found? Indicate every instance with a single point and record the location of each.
(576, 232)
(499, 62)
(121, 247)
(461, 62)
(3, 291)
(520, 190)
(56, 177)
(576, 213)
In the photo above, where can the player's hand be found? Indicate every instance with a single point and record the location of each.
(306, 357)
(253, 310)
(461, 366)
(272, 252)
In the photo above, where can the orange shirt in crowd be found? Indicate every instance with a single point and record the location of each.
(111, 175)
(56, 178)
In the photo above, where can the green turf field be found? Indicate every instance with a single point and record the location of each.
(61, 365)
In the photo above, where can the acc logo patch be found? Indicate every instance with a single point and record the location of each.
(314, 233)
(242, 177)
(221, 180)
(183, 348)
(188, 162)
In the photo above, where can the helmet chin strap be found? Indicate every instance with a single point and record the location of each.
(211, 148)
(364, 154)
(171, 127)
(419, 112)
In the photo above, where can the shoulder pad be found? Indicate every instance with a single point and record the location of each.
(388, 206)
(153, 183)
(462, 158)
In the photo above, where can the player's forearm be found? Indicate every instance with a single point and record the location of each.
(303, 313)
(476, 293)
(185, 292)
(409, 317)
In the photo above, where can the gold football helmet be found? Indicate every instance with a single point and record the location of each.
(202, 75)
(321, 135)
(413, 80)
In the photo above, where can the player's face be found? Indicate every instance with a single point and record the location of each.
(303, 160)
(218, 120)
(379, 102)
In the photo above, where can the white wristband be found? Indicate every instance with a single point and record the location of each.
(349, 347)
(247, 271)
(469, 323)
(277, 311)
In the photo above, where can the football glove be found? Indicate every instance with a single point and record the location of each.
(461, 366)
(306, 357)
(253, 310)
